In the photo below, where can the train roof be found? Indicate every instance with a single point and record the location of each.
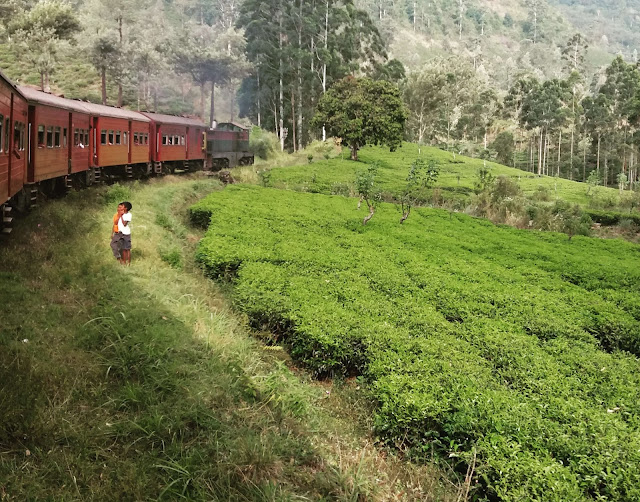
(111, 111)
(46, 98)
(9, 82)
(161, 118)
(229, 126)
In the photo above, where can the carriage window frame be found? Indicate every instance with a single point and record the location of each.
(117, 138)
(42, 136)
(103, 136)
(49, 136)
(1, 131)
(56, 137)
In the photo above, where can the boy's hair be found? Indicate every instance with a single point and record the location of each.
(127, 205)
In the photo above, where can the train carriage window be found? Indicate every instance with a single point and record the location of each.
(176, 140)
(182, 140)
(1, 124)
(41, 136)
(118, 138)
(86, 137)
(165, 140)
(50, 137)
(18, 136)
(64, 137)
(146, 138)
(57, 137)
(135, 138)
(76, 137)
(125, 137)
(103, 137)
(110, 137)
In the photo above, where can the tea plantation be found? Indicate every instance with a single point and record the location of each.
(519, 349)
(455, 183)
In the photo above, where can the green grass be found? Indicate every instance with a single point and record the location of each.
(140, 383)
(455, 184)
(518, 347)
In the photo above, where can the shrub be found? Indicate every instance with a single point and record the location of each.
(262, 143)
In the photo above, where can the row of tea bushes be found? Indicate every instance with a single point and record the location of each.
(456, 181)
(518, 347)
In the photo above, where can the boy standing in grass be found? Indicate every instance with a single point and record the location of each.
(115, 235)
(125, 230)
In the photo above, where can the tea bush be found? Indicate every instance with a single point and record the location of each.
(474, 339)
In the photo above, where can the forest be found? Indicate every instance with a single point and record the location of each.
(535, 85)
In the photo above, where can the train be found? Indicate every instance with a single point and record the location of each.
(50, 144)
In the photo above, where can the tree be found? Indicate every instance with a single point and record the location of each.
(422, 174)
(573, 53)
(503, 145)
(367, 189)
(40, 33)
(362, 111)
(105, 56)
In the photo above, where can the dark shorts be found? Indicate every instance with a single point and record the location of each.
(115, 244)
(125, 241)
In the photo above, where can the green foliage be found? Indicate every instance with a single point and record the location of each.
(117, 193)
(519, 346)
(361, 112)
(422, 174)
(262, 143)
(504, 147)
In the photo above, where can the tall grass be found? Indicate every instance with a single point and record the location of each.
(139, 383)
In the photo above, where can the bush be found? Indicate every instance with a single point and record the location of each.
(263, 143)
(117, 193)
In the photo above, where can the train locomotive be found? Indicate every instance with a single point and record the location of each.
(50, 144)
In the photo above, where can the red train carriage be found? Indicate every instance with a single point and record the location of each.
(59, 141)
(119, 140)
(176, 142)
(13, 126)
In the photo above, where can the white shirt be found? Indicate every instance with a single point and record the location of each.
(125, 229)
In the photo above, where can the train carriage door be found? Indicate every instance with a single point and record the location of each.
(31, 158)
(94, 138)
(67, 143)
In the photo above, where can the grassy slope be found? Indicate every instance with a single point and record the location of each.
(139, 383)
(456, 180)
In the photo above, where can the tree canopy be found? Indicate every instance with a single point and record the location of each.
(362, 111)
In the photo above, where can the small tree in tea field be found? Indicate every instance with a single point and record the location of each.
(366, 188)
(422, 174)
(361, 111)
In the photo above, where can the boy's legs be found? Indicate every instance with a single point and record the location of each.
(126, 249)
(115, 245)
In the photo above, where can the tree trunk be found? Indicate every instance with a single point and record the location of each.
(559, 144)
(370, 215)
(540, 154)
(281, 71)
(202, 102)
(571, 158)
(324, 66)
(598, 157)
(104, 85)
(354, 152)
(212, 104)
(258, 93)
(293, 120)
